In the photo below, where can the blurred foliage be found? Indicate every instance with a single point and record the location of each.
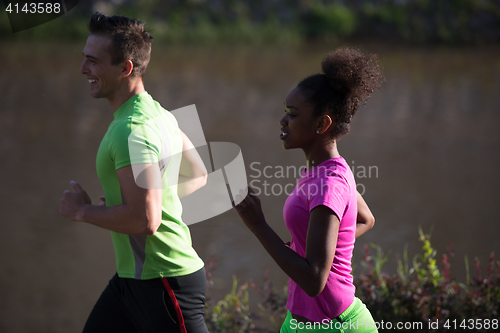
(420, 292)
(232, 313)
(327, 21)
(290, 21)
(424, 293)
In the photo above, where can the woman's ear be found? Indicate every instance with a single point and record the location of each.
(324, 123)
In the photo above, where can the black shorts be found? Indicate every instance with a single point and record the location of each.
(150, 306)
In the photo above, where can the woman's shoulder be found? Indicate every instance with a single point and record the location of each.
(333, 167)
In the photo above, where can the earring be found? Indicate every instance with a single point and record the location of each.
(317, 131)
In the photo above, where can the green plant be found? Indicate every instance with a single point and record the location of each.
(230, 314)
(424, 293)
(425, 263)
(419, 293)
(335, 20)
(274, 306)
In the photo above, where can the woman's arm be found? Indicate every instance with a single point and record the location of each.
(365, 219)
(311, 272)
(192, 172)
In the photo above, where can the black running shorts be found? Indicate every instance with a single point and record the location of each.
(173, 304)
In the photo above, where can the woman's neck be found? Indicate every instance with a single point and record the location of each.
(319, 155)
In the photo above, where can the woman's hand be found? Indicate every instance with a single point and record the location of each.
(249, 209)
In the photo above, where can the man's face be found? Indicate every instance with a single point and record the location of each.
(104, 78)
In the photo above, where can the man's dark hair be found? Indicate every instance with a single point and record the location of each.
(130, 40)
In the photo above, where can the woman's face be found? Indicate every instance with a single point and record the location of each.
(298, 125)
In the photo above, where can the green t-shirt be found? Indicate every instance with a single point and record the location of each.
(143, 132)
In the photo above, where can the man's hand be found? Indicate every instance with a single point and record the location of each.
(72, 203)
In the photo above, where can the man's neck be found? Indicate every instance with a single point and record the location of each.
(125, 93)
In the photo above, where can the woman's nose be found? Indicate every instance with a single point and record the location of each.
(283, 121)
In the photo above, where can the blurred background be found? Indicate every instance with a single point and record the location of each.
(425, 148)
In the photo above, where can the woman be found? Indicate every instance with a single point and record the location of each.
(324, 213)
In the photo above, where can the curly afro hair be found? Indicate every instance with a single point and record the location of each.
(349, 78)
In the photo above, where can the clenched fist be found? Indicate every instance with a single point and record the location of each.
(72, 203)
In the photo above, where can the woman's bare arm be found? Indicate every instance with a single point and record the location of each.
(365, 219)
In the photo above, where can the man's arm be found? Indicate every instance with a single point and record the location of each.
(192, 172)
(138, 214)
(365, 219)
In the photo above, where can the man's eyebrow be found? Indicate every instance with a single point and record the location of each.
(89, 56)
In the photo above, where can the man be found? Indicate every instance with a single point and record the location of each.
(160, 280)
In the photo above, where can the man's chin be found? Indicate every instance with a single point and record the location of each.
(95, 94)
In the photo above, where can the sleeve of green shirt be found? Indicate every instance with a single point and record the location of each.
(134, 142)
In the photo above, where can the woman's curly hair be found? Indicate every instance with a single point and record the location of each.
(349, 78)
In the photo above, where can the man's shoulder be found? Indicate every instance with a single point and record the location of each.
(144, 113)
(145, 108)
(154, 113)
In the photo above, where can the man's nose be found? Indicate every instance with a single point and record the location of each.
(83, 68)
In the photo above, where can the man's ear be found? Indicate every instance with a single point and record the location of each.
(127, 68)
(324, 123)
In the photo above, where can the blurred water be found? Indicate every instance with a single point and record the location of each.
(430, 136)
